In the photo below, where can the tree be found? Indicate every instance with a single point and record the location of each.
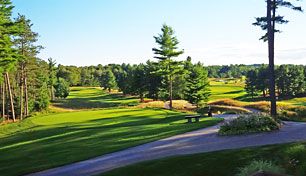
(24, 41)
(52, 76)
(167, 50)
(197, 88)
(108, 80)
(153, 80)
(251, 83)
(139, 82)
(268, 23)
(61, 88)
(8, 56)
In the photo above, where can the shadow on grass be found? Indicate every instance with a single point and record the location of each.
(50, 146)
(96, 100)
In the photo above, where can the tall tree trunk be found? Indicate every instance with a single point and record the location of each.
(170, 91)
(26, 97)
(10, 95)
(21, 91)
(271, 27)
(52, 93)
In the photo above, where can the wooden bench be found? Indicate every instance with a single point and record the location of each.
(190, 117)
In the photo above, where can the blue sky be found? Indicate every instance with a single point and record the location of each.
(91, 32)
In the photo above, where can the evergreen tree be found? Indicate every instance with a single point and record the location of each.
(8, 56)
(52, 77)
(268, 23)
(139, 82)
(167, 50)
(251, 83)
(24, 42)
(61, 88)
(197, 89)
(153, 80)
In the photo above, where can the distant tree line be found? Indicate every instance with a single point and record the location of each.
(143, 80)
(230, 71)
(290, 81)
(165, 79)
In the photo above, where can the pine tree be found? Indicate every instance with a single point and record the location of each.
(24, 41)
(52, 77)
(268, 23)
(197, 88)
(251, 83)
(7, 53)
(167, 50)
(139, 82)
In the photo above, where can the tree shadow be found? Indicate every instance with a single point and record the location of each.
(96, 100)
(50, 146)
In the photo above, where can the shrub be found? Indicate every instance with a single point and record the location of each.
(249, 124)
(260, 166)
(61, 88)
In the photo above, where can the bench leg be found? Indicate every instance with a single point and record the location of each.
(197, 119)
(190, 120)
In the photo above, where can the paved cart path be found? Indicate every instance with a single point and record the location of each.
(203, 140)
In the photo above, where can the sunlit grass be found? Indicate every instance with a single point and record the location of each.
(51, 140)
(94, 97)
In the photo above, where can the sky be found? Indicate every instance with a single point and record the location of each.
(91, 32)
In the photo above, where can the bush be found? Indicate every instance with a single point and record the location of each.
(249, 124)
(260, 166)
(61, 88)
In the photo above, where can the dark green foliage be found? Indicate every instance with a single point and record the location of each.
(197, 91)
(70, 73)
(43, 100)
(276, 19)
(61, 88)
(290, 81)
(8, 56)
(251, 83)
(108, 80)
(139, 82)
(153, 80)
(249, 124)
(229, 71)
(167, 50)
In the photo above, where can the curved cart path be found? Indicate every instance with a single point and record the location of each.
(203, 140)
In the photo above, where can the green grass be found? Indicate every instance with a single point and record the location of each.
(234, 89)
(48, 141)
(94, 97)
(221, 90)
(292, 157)
(296, 101)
